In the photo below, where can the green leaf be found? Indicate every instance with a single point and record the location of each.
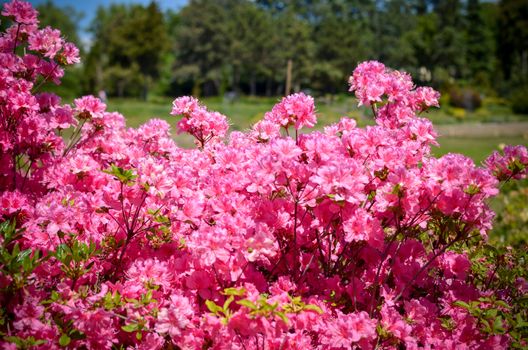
(64, 340)
(124, 176)
(487, 327)
(282, 316)
(132, 327)
(491, 313)
(211, 305)
(502, 304)
(15, 340)
(472, 189)
(54, 295)
(311, 307)
(77, 335)
(247, 303)
(16, 249)
(234, 291)
(462, 304)
(497, 325)
(228, 302)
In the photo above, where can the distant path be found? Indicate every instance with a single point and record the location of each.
(483, 129)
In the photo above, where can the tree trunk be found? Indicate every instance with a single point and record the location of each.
(120, 88)
(253, 84)
(236, 79)
(196, 89)
(288, 78)
(144, 92)
(268, 87)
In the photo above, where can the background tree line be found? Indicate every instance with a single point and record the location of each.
(210, 47)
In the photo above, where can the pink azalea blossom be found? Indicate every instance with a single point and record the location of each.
(20, 11)
(176, 318)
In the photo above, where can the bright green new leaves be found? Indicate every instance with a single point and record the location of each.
(74, 257)
(126, 177)
(262, 307)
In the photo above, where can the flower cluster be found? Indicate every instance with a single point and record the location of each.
(335, 239)
(204, 125)
(510, 164)
(373, 83)
(297, 109)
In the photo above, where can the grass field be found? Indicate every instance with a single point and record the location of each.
(477, 148)
(246, 111)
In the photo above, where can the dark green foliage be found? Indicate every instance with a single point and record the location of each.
(511, 222)
(480, 44)
(498, 268)
(464, 97)
(519, 100)
(15, 261)
(128, 49)
(242, 46)
(213, 47)
(513, 38)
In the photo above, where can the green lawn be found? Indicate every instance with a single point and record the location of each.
(241, 113)
(476, 148)
(247, 110)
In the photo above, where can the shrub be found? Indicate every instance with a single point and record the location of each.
(465, 97)
(458, 113)
(511, 222)
(340, 238)
(519, 100)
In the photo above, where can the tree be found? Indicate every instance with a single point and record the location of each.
(513, 38)
(295, 44)
(480, 46)
(394, 20)
(343, 37)
(129, 45)
(65, 19)
(202, 45)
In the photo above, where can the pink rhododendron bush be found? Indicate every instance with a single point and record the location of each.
(350, 237)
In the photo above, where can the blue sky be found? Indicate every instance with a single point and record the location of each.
(89, 8)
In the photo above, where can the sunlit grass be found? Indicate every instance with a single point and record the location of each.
(245, 111)
(477, 148)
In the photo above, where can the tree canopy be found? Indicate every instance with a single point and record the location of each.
(210, 47)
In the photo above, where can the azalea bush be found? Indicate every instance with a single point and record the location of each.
(349, 237)
(511, 222)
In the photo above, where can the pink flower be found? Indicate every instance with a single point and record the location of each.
(394, 323)
(20, 11)
(348, 329)
(513, 163)
(455, 265)
(175, 318)
(70, 53)
(265, 130)
(204, 125)
(368, 81)
(89, 107)
(326, 240)
(426, 97)
(361, 226)
(185, 105)
(150, 273)
(46, 41)
(297, 109)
